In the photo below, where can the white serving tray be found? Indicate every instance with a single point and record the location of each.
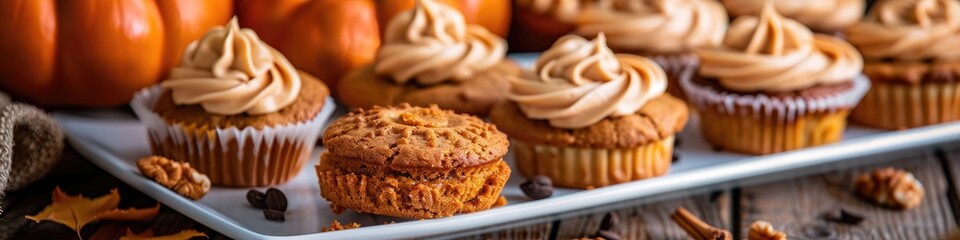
(115, 144)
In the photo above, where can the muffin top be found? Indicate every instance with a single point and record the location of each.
(415, 137)
(771, 53)
(659, 27)
(432, 44)
(230, 71)
(577, 83)
(910, 30)
(821, 15)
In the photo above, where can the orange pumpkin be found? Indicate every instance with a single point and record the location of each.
(328, 38)
(96, 53)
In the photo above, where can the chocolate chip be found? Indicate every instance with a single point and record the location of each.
(276, 200)
(608, 235)
(538, 187)
(677, 142)
(274, 215)
(675, 157)
(257, 199)
(843, 216)
(610, 222)
(717, 149)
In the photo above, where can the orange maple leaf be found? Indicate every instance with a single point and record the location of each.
(148, 235)
(77, 211)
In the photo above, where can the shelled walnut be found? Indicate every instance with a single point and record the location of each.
(178, 176)
(763, 230)
(891, 187)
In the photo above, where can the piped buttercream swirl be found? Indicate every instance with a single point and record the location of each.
(909, 30)
(577, 83)
(659, 26)
(820, 15)
(432, 44)
(775, 54)
(230, 71)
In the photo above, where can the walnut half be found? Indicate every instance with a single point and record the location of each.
(178, 176)
(763, 230)
(891, 187)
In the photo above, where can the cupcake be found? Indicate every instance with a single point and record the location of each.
(825, 16)
(430, 56)
(665, 31)
(775, 86)
(412, 162)
(236, 110)
(912, 54)
(586, 117)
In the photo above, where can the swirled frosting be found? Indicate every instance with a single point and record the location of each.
(820, 15)
(432, 44)
(909, 30)
(563, 10)
(230, 71)
(661, 26)
(577, 83)
(775, 54)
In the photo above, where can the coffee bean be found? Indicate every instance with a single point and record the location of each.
(608, 235)
(843, 216)
(276, 200)
(538, 187)
(274, 215)
(610, 221)
(257, 199)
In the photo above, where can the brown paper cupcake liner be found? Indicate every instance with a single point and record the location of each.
(769, 134)
(585, 167)
(759, 124)
(233, 157)
(901, 106)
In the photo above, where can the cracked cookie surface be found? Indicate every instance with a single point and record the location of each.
(415, 137)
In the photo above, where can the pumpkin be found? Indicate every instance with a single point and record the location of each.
(328, 38)
(96, 53)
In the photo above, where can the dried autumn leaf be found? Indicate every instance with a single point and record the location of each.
(77, 211)
(148, 235)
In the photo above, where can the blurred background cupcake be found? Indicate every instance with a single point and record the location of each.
(775, 86)
(431, 56)
(823, 16)
(666, 31)
(236, 110)
(538, 23)
(586, 117)
(912, 54)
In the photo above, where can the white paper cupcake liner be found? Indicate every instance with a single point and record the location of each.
(226, 155)
(760, 105)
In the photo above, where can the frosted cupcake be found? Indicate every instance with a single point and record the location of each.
(431, 56)
(539, 23)
(236, 110)
(912, 54)
(587, 117)
(665, 31)
(825, 16)
(775, 86)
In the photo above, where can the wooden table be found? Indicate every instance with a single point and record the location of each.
(792, 205)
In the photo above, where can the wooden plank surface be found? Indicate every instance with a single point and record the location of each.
(795, 206)
(652, 221)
